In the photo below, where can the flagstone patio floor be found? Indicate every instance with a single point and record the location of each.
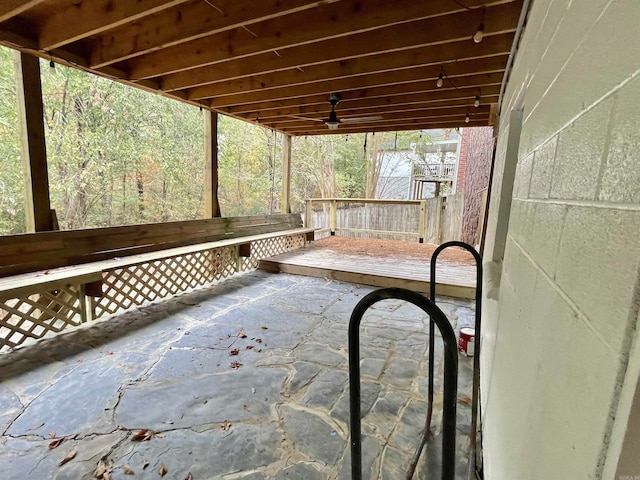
(246, 379)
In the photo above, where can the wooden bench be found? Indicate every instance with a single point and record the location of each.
(123, 277)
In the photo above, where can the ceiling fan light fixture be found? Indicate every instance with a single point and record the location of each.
(332, 122)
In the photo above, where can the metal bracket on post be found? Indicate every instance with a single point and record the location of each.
(476, 358)
(450, 376)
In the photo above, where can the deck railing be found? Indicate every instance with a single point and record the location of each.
(62, 279)
(434, 170)
(367, 218)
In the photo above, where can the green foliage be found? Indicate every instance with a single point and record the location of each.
(118, 155)
(12, 218)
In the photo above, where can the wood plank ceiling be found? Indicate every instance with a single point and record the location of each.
(275, 62)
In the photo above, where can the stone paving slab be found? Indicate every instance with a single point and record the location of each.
(247, 379)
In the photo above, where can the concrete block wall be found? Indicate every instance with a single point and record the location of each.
(561, 357)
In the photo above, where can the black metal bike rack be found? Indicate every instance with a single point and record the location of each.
(450, 375)
(476, 358)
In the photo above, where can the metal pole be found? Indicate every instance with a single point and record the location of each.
(450, 376)
(476, 359)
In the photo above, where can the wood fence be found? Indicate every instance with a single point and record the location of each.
(434, 220)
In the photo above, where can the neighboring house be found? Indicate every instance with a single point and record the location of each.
(420, 171)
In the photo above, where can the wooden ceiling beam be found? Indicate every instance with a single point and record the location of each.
(83, 19)
(416, 111)
(339, 19)
(358, 51)
(354, 100)
(392, 127)
(454, 73)
(455, 112)
(13, 8)
(189, 23)
(372, 75)
(321, 110)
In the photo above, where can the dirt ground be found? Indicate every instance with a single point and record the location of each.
(392, 248)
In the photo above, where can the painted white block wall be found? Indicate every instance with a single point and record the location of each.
(560, 346)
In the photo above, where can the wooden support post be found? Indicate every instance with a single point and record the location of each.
(333, 206)
(32, 139)
(308, 214)
(211, 204)
(285, 201)
(422, 221)
(85, 313)
(238, 258)
(437, 191)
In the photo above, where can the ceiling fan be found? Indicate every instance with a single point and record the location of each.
(333, 121)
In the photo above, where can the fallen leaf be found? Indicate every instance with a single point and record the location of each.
(109, 352)
(258, 340)
(236, 365)
(357, 286)
(145, 464)
(70, 456)
(158, 435)
(56, 443)
(464, 400)
(187, 332)
(264, 327)
(103, 469)
(189, 476)
(233, 352)
(241, 334)
(52, 434)
(142, 436)
(162, 470)
(248, 347)
(246, 407)
(127, 470)
(226, 425)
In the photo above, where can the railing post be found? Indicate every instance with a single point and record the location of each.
(422, 220)
(82, 303)
(333, 206)
(308, 212)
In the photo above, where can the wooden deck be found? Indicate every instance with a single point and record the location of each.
(454, 280)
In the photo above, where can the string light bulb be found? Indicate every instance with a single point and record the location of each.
(476, 102)
(467, 119)
(440, 81)
(477, 37)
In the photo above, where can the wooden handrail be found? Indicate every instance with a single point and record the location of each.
(45, 250)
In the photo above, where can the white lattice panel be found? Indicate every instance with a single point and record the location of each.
(33, 315)
(270, 247)
(135, 285)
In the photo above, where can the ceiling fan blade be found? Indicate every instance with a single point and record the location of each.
(361, 119)
(306, 118)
